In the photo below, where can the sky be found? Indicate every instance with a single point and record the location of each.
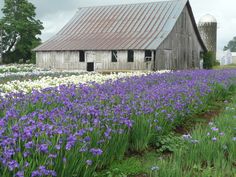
(56, 13)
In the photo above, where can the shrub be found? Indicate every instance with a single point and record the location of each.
(208, 60)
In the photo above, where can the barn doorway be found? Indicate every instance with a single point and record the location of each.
(90, 66)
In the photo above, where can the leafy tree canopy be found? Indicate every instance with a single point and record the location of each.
(20, 30)
(231, 45)
(208, 60)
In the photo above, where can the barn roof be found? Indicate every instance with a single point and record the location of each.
(119, 27)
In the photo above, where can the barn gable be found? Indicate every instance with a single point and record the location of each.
(148, 31)
(183, 46)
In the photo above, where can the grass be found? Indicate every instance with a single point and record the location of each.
(210, 151)
(230, 66)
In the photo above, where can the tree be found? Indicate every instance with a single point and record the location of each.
(20, 30)
(208, 60)
(231, 45)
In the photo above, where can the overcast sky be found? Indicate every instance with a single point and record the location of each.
(56, 13)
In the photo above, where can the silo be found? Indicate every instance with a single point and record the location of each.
(208, 29)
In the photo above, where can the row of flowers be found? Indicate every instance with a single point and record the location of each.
(15, 68)
(72, 130)
(15, 71)
(34, 75)
(54, 79)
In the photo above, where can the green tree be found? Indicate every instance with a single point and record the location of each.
(208, 60)
(231, 45)
(20, 30)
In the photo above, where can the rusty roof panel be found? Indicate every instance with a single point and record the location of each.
(119, 27)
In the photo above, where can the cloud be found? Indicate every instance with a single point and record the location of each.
(56, 13)
(54, 22)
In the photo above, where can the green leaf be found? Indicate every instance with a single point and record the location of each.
(20, 30)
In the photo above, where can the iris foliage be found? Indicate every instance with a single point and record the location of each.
(74, 130)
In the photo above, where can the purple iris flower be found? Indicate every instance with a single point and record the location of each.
(96, 152)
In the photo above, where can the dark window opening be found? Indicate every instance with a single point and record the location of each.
(113, 56)
(148, 55)
(81, 56)
(90, 66)
(154, 61)
(130, 56)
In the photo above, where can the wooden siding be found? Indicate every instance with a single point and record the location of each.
(181, 49)
(64, 60)
(122, 61)
(69, 60)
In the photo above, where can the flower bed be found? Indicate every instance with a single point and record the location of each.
(44, 79)
(15, 68)
(73, 130)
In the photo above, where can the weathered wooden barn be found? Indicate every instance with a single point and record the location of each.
(148, 36)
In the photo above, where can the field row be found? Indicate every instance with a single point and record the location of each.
(15, 68)
(26, 82)
(203, 146)
(56, 79)
(76, 129)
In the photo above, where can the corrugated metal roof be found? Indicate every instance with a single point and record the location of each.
(120, 27)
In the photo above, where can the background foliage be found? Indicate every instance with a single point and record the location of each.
(20, 30)
(209, 60)
(231, 45)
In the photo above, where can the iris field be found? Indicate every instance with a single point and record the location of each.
(25, 78)
(79, 129)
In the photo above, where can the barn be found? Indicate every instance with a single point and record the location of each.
(146, 36)
(233, 57)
